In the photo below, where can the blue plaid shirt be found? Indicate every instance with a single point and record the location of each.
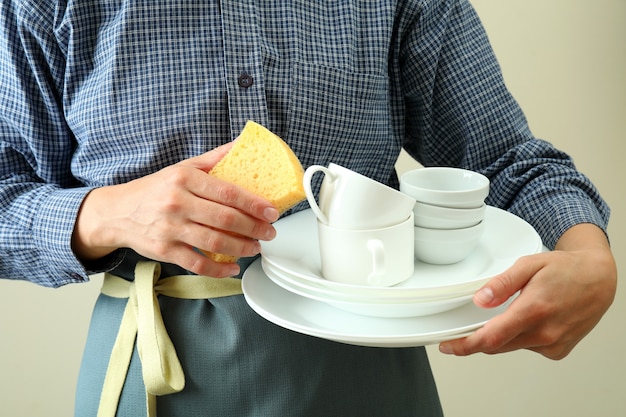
(98, 92)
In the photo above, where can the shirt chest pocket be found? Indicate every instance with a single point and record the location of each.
(338, 116)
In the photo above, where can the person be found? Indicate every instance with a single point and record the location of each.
(113, 112)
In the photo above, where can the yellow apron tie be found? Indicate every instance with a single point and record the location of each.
(142, 320)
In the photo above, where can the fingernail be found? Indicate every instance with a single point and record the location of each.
(485, 295)
(233, 270)
(270, 234)
(445, 349)
(270, 214)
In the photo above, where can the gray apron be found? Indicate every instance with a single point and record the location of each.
(238, 364)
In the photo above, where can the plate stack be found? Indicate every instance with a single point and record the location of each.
(403, 301)
(291, 267)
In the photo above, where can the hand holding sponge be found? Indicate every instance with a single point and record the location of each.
(264, 164)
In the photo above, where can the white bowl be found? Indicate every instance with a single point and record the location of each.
(446, 186)
(437, 217)
(446, 246)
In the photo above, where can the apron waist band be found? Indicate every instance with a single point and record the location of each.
(142, 321)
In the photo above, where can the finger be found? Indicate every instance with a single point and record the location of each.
(232, 195)
(183, 253)
(525, 324)
(214, 239)
(529, 340)
(207, 160)
(210, 188)
(228, 244)
(190, 259)
(503, 286)
(208, 217)
(225, 192)
(222, 205)
(493, 337)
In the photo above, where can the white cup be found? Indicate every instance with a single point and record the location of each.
(374, 257)
(350, 200)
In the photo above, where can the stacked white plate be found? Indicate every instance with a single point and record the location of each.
(434, 304)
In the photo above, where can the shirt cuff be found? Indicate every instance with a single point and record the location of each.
(52, 231)
(559, 216)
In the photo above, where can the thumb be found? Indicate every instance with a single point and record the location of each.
(502, 286)
(207, 160)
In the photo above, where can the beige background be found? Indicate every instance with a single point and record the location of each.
(565, 61)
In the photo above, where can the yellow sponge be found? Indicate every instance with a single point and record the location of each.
(264, 164)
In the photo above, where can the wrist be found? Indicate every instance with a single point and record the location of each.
(591, 242)
(583, 236)
(94, 229)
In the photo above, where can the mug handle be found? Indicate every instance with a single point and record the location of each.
(308, 175)
(377, 254)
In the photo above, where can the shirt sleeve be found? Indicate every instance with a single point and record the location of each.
(460, 113)
(39, 197)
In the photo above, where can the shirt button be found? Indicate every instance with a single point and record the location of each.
(245, 80)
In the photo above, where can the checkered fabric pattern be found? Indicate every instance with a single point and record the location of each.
(97, 92)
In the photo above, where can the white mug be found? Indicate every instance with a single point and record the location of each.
(350, 200)
(375, 257)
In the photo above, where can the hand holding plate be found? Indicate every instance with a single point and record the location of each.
(563, 295)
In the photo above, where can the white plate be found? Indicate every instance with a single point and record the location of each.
(315, 318)
(367, 308)
(291, 282)
(506, 238)
(331, 293)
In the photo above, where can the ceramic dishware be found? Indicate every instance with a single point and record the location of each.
(446, 246)
(295, 251)
(370, 257)
(368, 306)
(350, 200)
(438, 217)
(319, 319)
(446, 187)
